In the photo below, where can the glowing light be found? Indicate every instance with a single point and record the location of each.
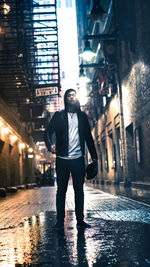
(1, 31)
(2, 132)
(40, 147)
(37, 156)
(88, 55)
(30, 149)
(6, 8)
(30, 156)
(27, 100)
(82, 96)
(33, 219)
(115, 104)
(6, 130)
(22, 145)
(14, 138)
(83, 80)
(20, 55)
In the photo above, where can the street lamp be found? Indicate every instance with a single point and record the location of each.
(106, 43)
(88, 53)
(97, 12)
(5, 8)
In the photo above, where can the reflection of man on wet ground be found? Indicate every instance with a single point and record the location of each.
(66, 252)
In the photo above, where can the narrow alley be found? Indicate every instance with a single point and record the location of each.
(75, 93)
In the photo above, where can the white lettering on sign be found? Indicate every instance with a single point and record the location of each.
(46, 91)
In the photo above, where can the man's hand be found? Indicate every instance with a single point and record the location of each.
(53, 149)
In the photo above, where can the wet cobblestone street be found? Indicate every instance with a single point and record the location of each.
(119, 235)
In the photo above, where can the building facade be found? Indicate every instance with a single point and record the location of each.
(119, 107)
(29, 86)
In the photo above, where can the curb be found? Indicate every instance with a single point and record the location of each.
(125, 184)
(12, 189)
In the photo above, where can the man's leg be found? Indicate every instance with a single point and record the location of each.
(62, 172)
(77, 167)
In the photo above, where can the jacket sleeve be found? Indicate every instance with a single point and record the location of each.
(49, 132)
(89, 139)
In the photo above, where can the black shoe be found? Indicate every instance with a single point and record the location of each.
(83, 225)
(58, 226)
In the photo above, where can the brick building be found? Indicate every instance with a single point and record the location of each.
(17, 166)
(120, 86)
(29, 86)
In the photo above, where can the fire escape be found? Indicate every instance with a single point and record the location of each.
(29, 61)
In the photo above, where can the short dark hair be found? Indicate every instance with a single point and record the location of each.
(68, 91)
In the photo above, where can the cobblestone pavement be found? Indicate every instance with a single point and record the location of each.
(139, 193)
(119, 235)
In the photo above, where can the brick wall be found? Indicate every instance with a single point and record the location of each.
(136, 88)
(14, 164)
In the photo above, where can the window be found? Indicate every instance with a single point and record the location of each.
(138, 144)
(68, 3)
(58, 3)
(104, 101)
(63, 75)
(100, 157)
(114, 157)
(120, 152)
(101, 162)
(46, 3)
(106, 160)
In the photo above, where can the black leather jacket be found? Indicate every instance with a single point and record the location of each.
(59, 126)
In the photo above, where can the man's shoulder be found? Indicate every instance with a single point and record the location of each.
(82, 113)
(61, 111)
(58, 112)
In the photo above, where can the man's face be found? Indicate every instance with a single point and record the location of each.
(71, 98)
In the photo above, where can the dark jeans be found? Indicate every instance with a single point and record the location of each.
(75, 167)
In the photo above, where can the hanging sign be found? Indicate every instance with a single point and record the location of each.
(102, 83)
(46, 91)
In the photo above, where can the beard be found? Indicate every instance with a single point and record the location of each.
(73, 106)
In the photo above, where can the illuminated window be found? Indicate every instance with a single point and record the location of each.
(58, 3)
(138, 144)
(63, 75)
(106, 160)
(68, 3)
(104, 101)
(46, 3)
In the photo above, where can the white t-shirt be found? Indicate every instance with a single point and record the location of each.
(74, 149)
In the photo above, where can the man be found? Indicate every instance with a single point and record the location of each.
(72, 130)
